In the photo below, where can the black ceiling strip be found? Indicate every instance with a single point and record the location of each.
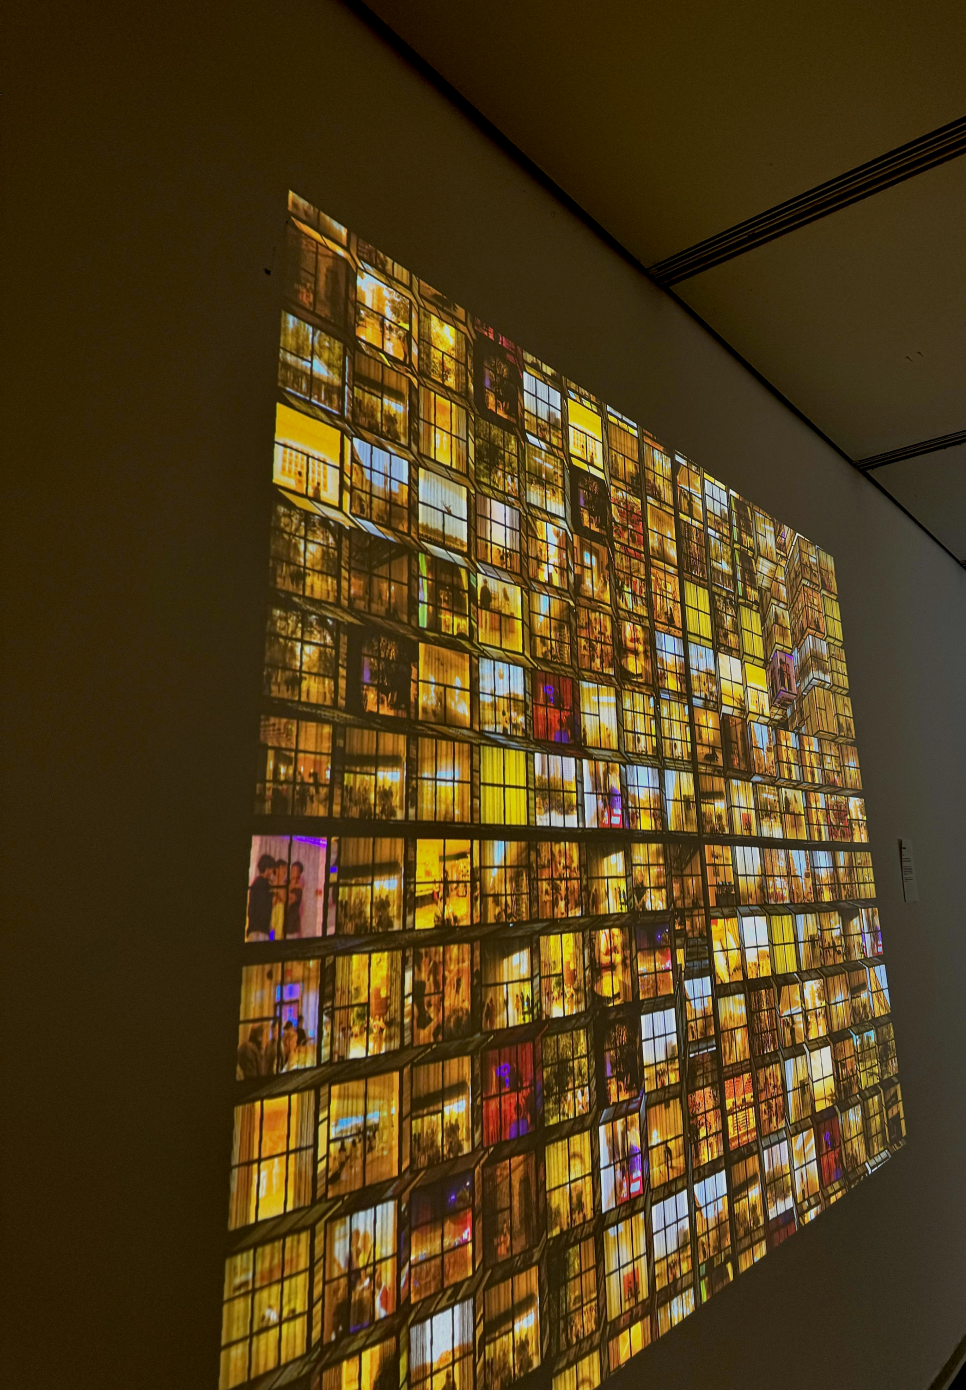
(957, 1356)
(928, 151)
(912, 451)
(875, 483)
(483, 123)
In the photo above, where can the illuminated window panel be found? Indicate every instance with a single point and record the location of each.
(648, 874)
(444, 1240)
(507, 984)
(374, 776)
(365, 1134)
(570, 1192)
(670, 1223)
(558, 878)
(502, 868)
(497, 459)
(361, 1273)
(578, 982)
(562, 974)
(444, 597)
(379, 486)
(511, 1328)
(368, 1004)
(442, 883)
(659, 1034)
(378, 577)
(443, 780)
(266, 1302)
(294, 775)
(304, 554)
(625, 1264)
(442, 1350)
(286, 887)
(442, 1120)
(273, 1158)
(279, 1018)
(713, 1233)
(567, 1073)
(441, 993)
(301, 657)
(442, 352)
(555, 782)
(367, 884)
(511, 1207)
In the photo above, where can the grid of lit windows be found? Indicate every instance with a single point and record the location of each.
(603, 702)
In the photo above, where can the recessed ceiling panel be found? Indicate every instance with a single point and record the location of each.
(669, 123)
(933, 488)
(859, 319)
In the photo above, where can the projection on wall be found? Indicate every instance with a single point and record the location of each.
(563, 999)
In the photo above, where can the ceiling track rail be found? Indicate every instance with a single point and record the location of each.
(912, 451)
(905, 162)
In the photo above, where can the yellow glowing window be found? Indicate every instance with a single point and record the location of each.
(625, 1264)
(586, 435)
(272, 1158)
(598, 715)
(504, 881)
(751, 640)
(443, 780)
(442, 511)
(442, 883)
(444, 686)
(562, 973)
(265, 1317)
(360, 1253)
(555, 782)
(726, 942)
(665, 1138)
(649, 877)
(360, 1127)
(383, 316)
(756, 689)
(503, 786)
(308, 455)
(442, 350)
(781, 930)
(500, 614)
(442, 1349)
(442, 429)
(570, 1193)
(643, 797)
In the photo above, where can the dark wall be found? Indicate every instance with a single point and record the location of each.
(150, 154)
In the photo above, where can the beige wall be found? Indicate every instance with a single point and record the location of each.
(151, 156)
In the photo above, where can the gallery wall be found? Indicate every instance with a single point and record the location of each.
(151, 158)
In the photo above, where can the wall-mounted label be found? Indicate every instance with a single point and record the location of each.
(909, 889)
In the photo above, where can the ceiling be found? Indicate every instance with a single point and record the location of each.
(668, 124)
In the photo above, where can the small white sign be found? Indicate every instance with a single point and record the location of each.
(909, 890)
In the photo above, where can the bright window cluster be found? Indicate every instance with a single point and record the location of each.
(564, 998)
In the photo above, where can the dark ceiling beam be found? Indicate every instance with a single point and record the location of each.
(926, 152)
(912, 451)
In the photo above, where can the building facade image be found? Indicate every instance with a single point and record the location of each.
(563, 998)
